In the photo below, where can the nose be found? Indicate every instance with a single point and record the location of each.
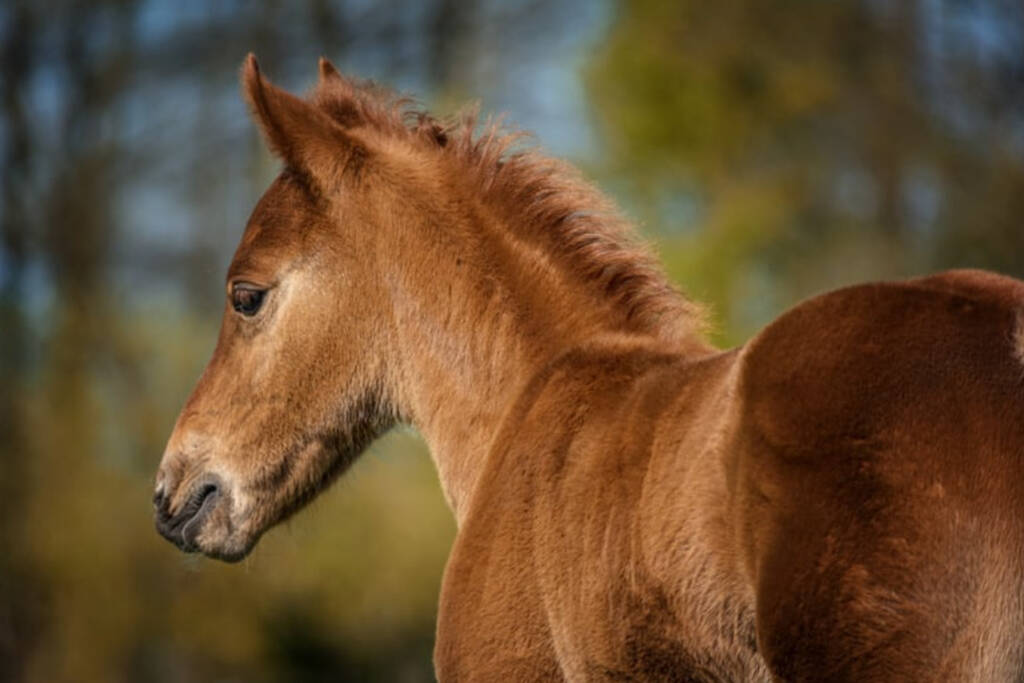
(182, 526)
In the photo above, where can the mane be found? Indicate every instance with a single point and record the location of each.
(550, 200)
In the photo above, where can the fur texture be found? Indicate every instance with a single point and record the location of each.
(839, 499)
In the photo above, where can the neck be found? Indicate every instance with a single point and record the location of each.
(482, 314)
(465, 352)
(457, 399)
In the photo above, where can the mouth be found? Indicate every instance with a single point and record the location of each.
(183, 527)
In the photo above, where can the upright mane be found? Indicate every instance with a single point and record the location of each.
(547, 200)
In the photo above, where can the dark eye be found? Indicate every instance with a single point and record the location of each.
(246, 299)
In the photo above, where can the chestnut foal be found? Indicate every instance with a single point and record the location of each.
(840, 499)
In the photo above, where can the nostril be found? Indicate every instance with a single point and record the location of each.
(205, 492)
(197, 510)
(184, 525)
(195, 502)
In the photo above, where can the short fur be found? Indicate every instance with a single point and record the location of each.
(839, 499)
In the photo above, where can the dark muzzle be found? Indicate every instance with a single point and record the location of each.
(182, 528)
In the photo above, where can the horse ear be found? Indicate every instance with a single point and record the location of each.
(298, 132)
(327, 71)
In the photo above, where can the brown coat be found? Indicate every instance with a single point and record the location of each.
(839, 499)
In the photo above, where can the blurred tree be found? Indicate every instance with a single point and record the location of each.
(775, 148)
(19, 591)
(127, 168)
(787, 147)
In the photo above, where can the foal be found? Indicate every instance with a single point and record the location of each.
(839, 499)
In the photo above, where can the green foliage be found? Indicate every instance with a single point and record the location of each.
(127, 169)
(347, 593)
(814, 144)
(772, 149)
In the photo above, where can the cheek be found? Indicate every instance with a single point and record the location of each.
(314, 355)
(299, 358)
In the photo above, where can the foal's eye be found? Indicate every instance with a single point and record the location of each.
(247, 299)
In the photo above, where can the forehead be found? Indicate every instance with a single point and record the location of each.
(277, 228)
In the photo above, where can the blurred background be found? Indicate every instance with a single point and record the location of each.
(770, 149)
